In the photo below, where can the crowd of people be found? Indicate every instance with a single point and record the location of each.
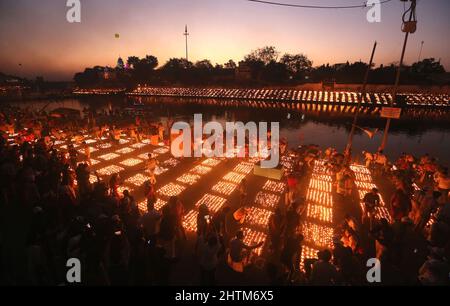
(51, 212)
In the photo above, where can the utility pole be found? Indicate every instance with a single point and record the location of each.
(420, 52)
(361, 98)
(408, 27)
(186, 34)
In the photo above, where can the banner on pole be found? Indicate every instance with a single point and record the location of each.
(391, 112)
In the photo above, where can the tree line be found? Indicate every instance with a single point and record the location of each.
(261, 67)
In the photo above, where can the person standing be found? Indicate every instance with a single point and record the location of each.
(87, 153)
(243, 193)
(371, 201)
(151, 167)
(324, 273)
(209, 248)
(442, 181)
(150, 223)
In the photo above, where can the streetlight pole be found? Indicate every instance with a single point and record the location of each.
(397, 78)
(361, 97)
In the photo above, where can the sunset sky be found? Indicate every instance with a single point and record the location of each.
(37, 35)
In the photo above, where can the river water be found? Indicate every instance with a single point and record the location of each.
(418, 131)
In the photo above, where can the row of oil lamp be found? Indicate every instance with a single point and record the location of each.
(318, 229)
(234, 177)
(258, 216)
(319, 212)
(212, 201)
(267, 200)
(224, 188)
(320, 185)
(274, 186)
(158, 205)
(244, 168)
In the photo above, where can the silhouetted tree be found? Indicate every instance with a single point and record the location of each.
(266, 55)
(230, 64)
(204, 64)
(275, 73)
(298, 65)
(427, 66)
(132, 61)
(144, 68)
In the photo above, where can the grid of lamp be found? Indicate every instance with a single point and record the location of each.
(363, 177)
(252, 237)
(145, 155)
(244, 167)
(360, 169)
(201, 170)
(224, 188)
(188, 178)
(158, 205)
(109, 170)
(171, 189)
(190, 221)
(104, 145)
(162, 150)
(267, 200)
(211, 162)
(138, 145)
(319, 235)
(91, 149)
(137, 179)
(319, 197)
(307, 253)
(130, 162)
(234, 177)
(322, 177)
(320, 213)
(365, 185)
(258, 216)
(109, 156)
(273, 186)
(125, 150)
(213, 202)
(171, 162)
(320, 185)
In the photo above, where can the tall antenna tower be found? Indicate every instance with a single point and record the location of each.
(186, 34)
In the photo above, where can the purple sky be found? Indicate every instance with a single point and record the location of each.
(37, 35)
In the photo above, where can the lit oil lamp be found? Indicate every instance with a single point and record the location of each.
(131, 162)
(224, 188)
(171, 189)
(109, 170)
(109, 156)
